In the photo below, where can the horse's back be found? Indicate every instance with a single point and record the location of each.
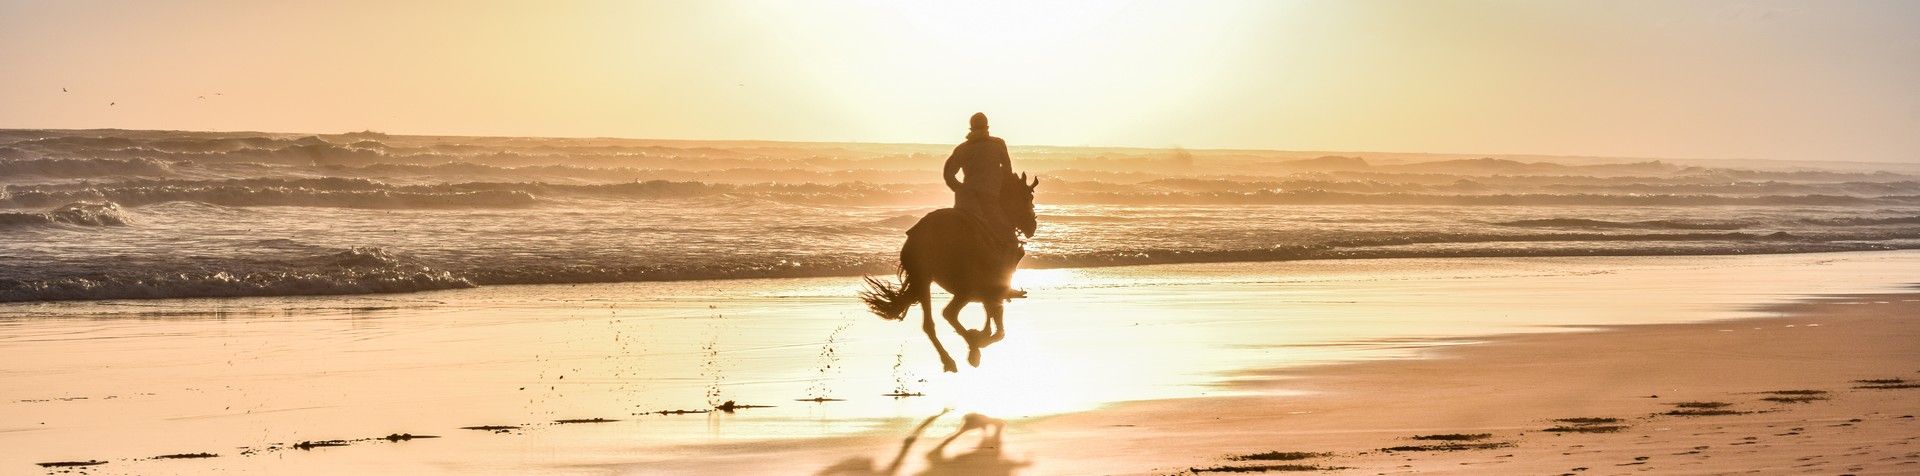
(940, 222)
(949, 231)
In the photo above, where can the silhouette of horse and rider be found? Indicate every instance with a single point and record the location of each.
(970, 250)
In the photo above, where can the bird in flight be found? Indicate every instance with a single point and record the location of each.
(63, 90)
(112, 103)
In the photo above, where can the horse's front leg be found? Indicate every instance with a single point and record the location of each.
(952, 312)
(926, 324)
(996, 328)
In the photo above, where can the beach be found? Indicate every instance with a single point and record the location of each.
(1124, 370)
(864, 238)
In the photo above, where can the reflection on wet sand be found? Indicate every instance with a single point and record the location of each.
(986, 458)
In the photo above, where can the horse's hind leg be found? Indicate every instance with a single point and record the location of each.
(946, 361)
(926, 323)
(926, 305)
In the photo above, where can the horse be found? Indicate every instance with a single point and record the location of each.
(950, 248)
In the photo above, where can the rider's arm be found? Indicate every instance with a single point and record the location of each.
(953, 168)
(1006, 159)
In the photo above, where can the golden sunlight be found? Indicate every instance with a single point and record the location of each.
(997, 237)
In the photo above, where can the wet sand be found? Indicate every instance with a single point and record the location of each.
(1147, 370)
(1816, 391)
(1829, 387)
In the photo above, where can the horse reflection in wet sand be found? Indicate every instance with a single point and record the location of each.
(956, 251)
(985, 459)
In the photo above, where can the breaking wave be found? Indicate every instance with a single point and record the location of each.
(354, 271)
(1649, 224)
(365, 193)
(81, 214)
(83, 168)
(1316, 197)
(255, 196)
(377, 270)
(1703, 246)
(368, 193)
(1862, 221)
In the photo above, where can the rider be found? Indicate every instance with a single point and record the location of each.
(987, 166)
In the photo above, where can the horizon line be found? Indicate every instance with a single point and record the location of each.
(932, 144)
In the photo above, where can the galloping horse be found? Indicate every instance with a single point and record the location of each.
(953, 249)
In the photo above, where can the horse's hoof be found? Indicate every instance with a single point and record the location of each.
(948, 366)
(973, 356)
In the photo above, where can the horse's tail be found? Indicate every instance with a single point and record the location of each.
(890, 301)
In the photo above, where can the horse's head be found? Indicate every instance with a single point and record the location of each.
(1017, 204)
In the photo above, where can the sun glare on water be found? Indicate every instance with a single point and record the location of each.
(1042, 278)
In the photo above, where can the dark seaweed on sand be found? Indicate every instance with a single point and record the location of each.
(730, 406)
(1797, 392)
(1587, 425)
(1886, 383)
(1276, 456)
(1586, 428)
(405, 437)
(187, 456)
(1265, 468)
(1702, 404)
(1453, 437)
(680, 412)
(1449, 447)
(70, 464)
(1704, 412)
(583, 420)
(308, 445)
(1793, 399)
(1588, 420)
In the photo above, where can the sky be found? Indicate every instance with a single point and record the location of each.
(1825, 80)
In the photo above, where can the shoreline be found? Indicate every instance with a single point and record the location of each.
(1335, 254)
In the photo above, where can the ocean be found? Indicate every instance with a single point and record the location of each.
(155, 214)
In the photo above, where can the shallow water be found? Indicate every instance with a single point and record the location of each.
(116, 380)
